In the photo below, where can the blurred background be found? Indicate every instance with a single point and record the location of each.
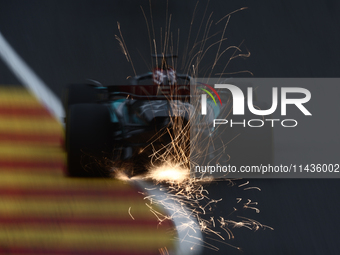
(71, 41)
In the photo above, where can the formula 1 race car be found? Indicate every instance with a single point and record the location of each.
(106, 124)
(123, 125)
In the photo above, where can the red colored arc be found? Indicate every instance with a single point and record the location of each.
(213, 90)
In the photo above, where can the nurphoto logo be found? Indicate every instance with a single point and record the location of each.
(238, 105)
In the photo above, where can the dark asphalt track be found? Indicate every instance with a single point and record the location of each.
(67, 42)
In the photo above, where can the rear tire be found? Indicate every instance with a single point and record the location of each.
(88, 140)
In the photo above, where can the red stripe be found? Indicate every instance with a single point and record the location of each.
(57, 193)
(34, 138)
(24, 111)
(95, 222)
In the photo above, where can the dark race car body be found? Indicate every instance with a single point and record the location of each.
(108, 127)
(115, 124)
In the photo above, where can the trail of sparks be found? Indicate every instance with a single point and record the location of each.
(184, 195)
(187, 198)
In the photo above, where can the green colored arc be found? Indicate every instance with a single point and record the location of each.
(209, 94)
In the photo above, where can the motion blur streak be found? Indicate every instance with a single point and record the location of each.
(43, 212)
(30, 79)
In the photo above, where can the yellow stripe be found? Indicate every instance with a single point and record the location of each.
(74, 206)
(40, 141)
(28, 180)
(30, 125)
(31, 153)
(9, 90)
(80, 238)
(17, 96)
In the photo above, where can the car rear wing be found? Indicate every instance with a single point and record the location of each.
(151, 92)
